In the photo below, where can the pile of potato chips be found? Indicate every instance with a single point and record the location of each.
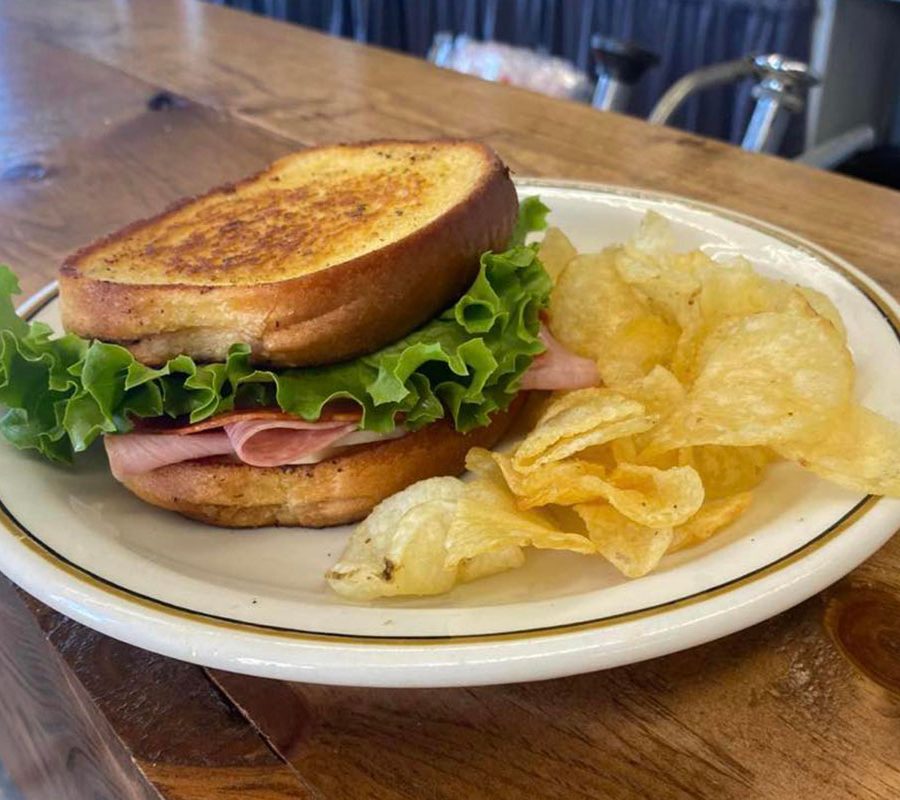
(710, 372)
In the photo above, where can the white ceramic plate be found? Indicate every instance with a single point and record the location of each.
(256, 602)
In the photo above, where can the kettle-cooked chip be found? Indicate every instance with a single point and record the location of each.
(821, 305)
(632, 548)
(488, 519)
(645, 494)
(657, 498)
(727, 470)
(764, 379)
(577, 420)
(668, 285)
(861, 451)
(654, 237)
(555, 252)
(490, 563)
(711, 518)
(659, 391)
(726, 292)
(597, 314)
(400, 548)
(563, 482)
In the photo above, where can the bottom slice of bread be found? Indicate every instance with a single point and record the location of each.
(333, 492)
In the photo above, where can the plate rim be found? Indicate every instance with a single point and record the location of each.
(880, 298)
(58, 561)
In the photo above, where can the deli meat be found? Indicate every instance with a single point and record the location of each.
(259, 438)
(270, 443)
(134, 453)
(559, 368)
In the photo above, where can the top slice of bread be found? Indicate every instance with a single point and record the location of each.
(327, 254)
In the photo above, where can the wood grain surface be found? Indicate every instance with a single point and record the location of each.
(312, 88)
(169, 730)
(55, 743)
(110, 111)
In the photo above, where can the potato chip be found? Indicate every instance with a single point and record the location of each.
(590, 302)
(631, 548)
(861, 451)
(727, 470)
(597, 314)
(566, 518)
(654, 236)
(710, 519)
(577, 420)
(659, 391)
(655, 497)
(487, 564)
(555, 252)
(824, 308)
(668, 285)
(671, 281)
(643, 343)
(735, 289)
(666, 460)
(636, 549)
(659, 396)
(374, 562)
(650, 496)
(698, 293)
(601, 456)
(763, 379)
(726, 292)
(693, 290)
(399, 549)
(562, 482)
(624, 450)
(488, 520)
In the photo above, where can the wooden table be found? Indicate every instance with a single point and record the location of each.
(109, 110)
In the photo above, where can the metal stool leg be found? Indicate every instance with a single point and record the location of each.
(780, 91)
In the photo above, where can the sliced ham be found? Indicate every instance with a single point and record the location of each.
(260, 439)
(134, 453)
(273, 443)
(559, 368)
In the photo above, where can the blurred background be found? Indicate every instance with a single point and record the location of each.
(823, 87)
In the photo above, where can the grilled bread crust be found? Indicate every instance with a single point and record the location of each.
(333, 492)
(327, 254)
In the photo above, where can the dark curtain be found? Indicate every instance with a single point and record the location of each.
(686, 34)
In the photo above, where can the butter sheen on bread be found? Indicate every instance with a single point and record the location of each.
(327, 254)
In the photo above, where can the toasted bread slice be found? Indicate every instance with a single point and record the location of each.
(327, 254)
(344, 489)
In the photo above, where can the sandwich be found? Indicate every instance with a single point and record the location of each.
(295, 347)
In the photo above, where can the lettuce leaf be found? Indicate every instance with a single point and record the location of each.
(62, 393)
(532, 217)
